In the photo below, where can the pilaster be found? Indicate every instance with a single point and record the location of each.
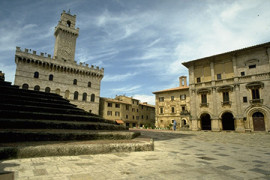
(215, 125)
(239, 125)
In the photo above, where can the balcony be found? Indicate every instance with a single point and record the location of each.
(226, 103)
(204, 104)
(256, 101)
(185, 112)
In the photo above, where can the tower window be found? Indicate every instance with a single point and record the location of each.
(198, 80)
(243, 73)
(252, 66)
(89, 84)
(47, 90)
(218, 76)
(75, 81)
(25, 86)
(76, 94)
(84, 97)
(50, 77)
(36, 88)
(92, 98)
(36, 75)
(68, 23)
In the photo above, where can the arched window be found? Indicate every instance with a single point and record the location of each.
(50, 77)
(84, 97)
(36, 75)
(89, 84)
(37, 88)
(68, 23)
(75, 81)
(76, 95)
(25, 86)
(57, 91)
(92, 98)
(47, 90)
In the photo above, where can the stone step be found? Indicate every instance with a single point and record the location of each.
(29, 108)
(17, 114)
(26, 135)
(22, 99)
(48, 124)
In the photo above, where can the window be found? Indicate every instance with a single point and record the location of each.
(244, 99)
(132, 101)
(161, 110)
(137, 117)
(117, 105)
(50, 77)
(226, 97)
(75, 82)
(127, 107)
(243, 73)
(161, 99)
(172, 98)
(126, 116)
(255, 94)
(183, 108)
(204, 98)
(142, 116)
(25, 86)
(76, 95)
(142, 107)
(183, 97)
(218, 76)
(172, 109)
(47, 90)
(89, 84)
(109, 113)
(109, 104)
(133, 109)
(117, 113)
(68, 23)
(252, 66)
(133, 117)
(36, 75)
(137, 110)
(84, 97)
(137, 102)
(146, 117)
(92, 98)
(36, 88)
(198, 80)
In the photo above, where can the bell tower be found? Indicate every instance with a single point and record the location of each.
(65, 37)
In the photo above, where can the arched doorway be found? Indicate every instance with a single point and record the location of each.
(258, 121)
(206, 121)
(227, 121)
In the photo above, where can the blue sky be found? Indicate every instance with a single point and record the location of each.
(140, 43)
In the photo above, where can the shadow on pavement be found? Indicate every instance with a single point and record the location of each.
(162, 135)
(7, 175)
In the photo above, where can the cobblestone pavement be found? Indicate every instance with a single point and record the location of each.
(177, 155)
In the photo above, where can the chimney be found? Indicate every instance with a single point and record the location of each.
(183, 81)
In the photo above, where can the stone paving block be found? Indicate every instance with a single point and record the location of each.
(225, 167)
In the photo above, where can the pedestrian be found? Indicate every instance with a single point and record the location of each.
(174, 125)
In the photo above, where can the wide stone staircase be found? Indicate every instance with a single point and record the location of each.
(37, 118)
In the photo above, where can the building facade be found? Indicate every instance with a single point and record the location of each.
(173, 104)
(230, 91)
(127, 111)
(79, 83)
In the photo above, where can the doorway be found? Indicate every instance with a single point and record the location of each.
(228, 121)
(206, 121)
(258, 121)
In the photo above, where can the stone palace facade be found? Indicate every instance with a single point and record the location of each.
(60, 74)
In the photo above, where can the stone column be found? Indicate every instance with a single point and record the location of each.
(191, 75)
(193, 109)
(215, 124)
(239, 123)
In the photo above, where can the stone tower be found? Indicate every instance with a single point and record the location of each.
(65, 37)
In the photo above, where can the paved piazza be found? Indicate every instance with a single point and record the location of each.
(177, 155)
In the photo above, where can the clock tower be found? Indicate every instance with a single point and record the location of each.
(65, 37)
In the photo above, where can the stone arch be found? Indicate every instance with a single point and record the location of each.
(37, 88)
(57, 91)
(249, 116)
(47, 90)
(227, 120)
(25, 86)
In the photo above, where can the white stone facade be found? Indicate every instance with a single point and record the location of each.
(61, 74)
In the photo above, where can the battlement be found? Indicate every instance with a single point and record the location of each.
(32, 54)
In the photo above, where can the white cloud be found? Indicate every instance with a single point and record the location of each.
(118, 77)
(150, 99)
(126, 90)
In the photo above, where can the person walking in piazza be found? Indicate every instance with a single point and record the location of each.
(174, 125)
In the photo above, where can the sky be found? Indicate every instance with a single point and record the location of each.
(139, 43)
